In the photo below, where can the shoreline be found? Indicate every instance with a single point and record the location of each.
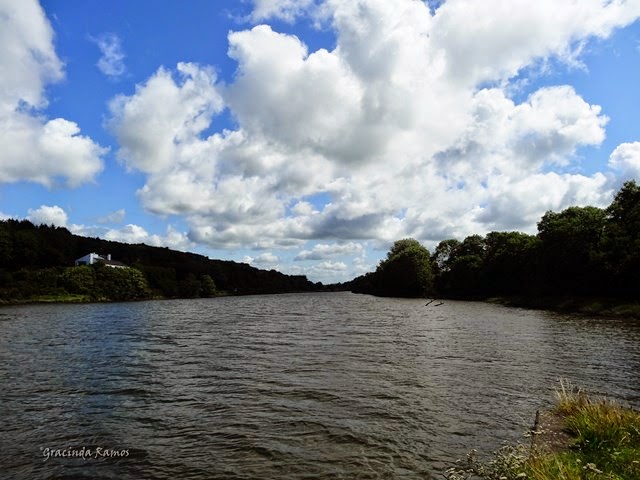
(587, 306)
(582, 437)
(593, 306)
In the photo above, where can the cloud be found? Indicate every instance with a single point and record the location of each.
(28, 58)
(332, 262)
(329, 271)
(287, 10)
(323, 251)
(128, 234)
(516, 140)
(408, 127)
(48, 215)
(625, 159)
(332, 266)
(45, 153)
(164, 115)
(519, 206)
(326, 271)
(111, 62)
(35, 149)
(113, 217)
(132, 233)
(513, 35)
(264, 260)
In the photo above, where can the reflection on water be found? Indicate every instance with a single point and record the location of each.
(287, 386)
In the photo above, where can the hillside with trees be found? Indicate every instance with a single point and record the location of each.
(37, 262)
(583, 252)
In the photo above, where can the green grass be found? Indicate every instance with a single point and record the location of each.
(606, 445)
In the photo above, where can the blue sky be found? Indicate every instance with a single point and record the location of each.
(307, 136)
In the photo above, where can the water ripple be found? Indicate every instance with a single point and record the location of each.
(287, 386)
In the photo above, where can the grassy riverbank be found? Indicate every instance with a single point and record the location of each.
(594, 439)
(79, 298)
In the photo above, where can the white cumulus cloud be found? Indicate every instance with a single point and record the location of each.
(626, 160)
(35, 149)
(323, 251)
(132, 233)
(493, 40)
(48, 215)
(408, 127)
(264, 260)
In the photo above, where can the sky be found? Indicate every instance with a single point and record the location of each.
(306, 136)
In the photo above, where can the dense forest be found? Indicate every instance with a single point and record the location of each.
(37, 263)
(579, 252)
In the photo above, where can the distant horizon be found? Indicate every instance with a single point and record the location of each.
(306, 137)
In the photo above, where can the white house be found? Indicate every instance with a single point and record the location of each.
(91, 258)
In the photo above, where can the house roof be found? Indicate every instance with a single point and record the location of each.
(100, 258)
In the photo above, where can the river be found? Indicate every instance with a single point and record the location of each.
(327, 385)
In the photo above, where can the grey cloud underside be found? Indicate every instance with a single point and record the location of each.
(334, 227)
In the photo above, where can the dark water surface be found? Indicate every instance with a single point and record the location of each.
(287, 386)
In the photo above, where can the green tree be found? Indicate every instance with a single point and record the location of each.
(622, 243)
(571, 247)
(26, 247)
(162, 280)
(473, 245)
(207, 286)
(462, 273)
(445, 250)
(80, 279)
(190, 286)
(6, 246)
(510, 263)
(465, 277)
(120, 284)
(406, 272)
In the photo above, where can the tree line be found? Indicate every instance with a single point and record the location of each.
(38, 260)
(580, 251)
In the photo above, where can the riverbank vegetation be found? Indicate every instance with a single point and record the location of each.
(601, 440)
(586, 255)
(37, 264)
